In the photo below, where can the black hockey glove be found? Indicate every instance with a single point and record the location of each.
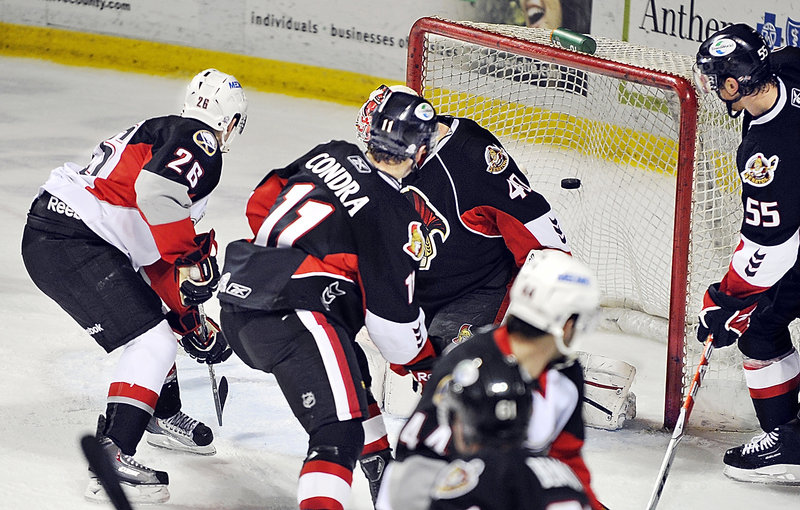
(198, 273)
(202, 341)
(725, 317)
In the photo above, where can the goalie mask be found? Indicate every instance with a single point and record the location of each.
(551, 288)
(216, 99)
(738, 52)
(402, 124)
(376, 97)
(491, 399)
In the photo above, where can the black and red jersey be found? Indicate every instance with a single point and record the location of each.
(145, 187)
(482, 215)
(768, 162)
(333, 234)
(556, 426)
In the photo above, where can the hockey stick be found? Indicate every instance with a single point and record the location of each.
(220, 393)
(101, 466)
(677, 434)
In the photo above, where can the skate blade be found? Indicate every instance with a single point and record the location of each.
(134, 493)
(779, 474)
(169, 443)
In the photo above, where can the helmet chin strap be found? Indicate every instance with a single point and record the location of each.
(729, 104)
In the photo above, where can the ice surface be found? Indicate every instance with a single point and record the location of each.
(55, 377)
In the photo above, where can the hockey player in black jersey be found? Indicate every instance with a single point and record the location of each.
(553, 300)
(503, 373)
(336, 247)
(759, 296)
(483, 217)
(111, 241)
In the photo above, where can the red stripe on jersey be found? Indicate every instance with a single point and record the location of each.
(775, 391)
(118, 188)
(174, 239)
(502, 341)
(134, 392)
(331, 468)
(567, 449)
(341, 362)
(320, 502)
(261, 201)
(342, 264)
(736, 286)
(494, 222)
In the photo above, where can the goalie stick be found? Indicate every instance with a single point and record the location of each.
(101, 467)
(677, 434)
(220, 393)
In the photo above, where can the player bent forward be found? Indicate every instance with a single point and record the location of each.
(492, 376)
(336, 248)
(110, 241)
(554, 298)
(760, 294)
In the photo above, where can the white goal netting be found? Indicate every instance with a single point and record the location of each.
(657, 213)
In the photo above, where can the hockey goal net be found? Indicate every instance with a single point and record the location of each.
(657, 212)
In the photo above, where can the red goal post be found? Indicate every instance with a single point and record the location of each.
(653, 159)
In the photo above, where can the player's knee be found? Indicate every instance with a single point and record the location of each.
(339, 442)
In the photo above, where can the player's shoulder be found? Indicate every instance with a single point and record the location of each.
(786, 62)
(180, 135)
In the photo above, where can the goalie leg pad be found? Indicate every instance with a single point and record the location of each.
(607, 401)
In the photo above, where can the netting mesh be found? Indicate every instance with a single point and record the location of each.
(620, 139)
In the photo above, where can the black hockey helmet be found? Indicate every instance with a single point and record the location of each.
(402, 124)
(490, 398)
(738, 52)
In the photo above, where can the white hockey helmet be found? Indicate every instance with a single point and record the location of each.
(376, 97)
(552, 287)
(216, 99)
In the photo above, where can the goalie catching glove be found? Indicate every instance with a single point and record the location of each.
(200, 337)
(198, 273)
(725, 317)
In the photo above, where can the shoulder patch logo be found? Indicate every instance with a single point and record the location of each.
(206, 140)
(416, 241)
(759, 170)
(458, 478)
(496, 159)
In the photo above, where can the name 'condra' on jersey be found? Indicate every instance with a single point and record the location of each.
(339, 180)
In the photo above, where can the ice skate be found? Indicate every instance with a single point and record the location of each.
(772, 457)
(140, 483)
(182, 433)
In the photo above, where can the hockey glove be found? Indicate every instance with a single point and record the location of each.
(203, 342)
(421, 366)
(725, 317)
(198, 273)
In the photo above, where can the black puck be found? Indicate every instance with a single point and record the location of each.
(571, 183)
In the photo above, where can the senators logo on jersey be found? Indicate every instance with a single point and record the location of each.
(416, 241)
(434, 221)
(759, 170)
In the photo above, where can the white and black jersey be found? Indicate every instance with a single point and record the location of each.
(556, 427)
(333, 234)
(768, 161)
(145, 187)
(482, 215)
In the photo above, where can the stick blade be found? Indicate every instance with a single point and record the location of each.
(223, 392)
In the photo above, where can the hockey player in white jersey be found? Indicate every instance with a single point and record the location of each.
(553, 300)
(759, 295)
(114, 241)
